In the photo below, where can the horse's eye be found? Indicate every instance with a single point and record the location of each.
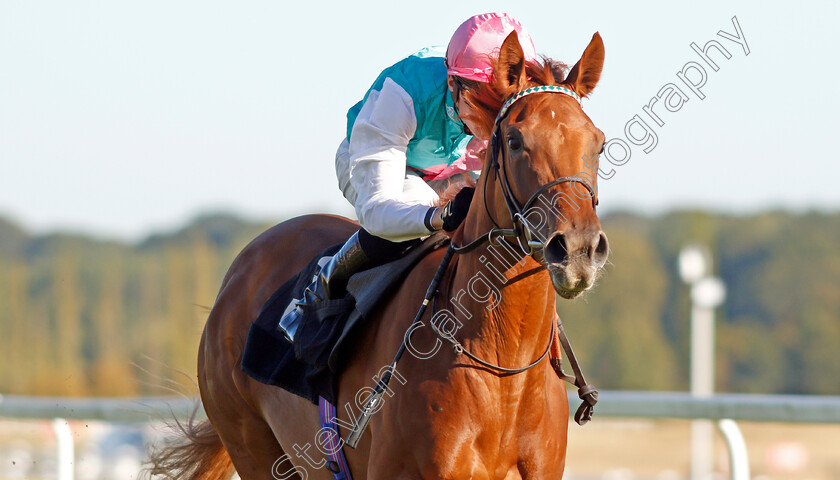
(514, 144)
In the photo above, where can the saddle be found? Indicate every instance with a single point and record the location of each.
(309, 365)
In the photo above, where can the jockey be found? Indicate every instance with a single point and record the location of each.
(405, 133)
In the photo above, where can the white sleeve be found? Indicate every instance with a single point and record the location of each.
(378, 142)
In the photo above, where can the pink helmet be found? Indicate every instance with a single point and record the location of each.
(478, 39)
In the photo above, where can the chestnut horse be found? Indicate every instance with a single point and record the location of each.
(445, 415)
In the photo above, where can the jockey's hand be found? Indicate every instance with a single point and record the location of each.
(456, 209)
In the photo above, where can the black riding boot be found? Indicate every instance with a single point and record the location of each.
(349, 259)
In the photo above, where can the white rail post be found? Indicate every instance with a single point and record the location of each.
(64, 446)
(739, 460)
(702, 385)
(707, 293)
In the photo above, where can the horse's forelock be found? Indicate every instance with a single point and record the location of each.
(487, 99)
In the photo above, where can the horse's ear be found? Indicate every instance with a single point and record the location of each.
(585, 74)
(510, 71)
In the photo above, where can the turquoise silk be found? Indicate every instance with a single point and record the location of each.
(439, 138)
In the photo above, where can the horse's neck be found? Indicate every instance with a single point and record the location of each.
(503, 299)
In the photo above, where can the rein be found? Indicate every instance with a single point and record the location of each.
(522, 231)
(459, 350)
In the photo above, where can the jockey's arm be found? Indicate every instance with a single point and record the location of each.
(389, 203)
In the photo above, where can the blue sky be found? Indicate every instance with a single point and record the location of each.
(117, 118)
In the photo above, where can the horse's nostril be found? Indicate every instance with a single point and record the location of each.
(602, 250)
(556, 251)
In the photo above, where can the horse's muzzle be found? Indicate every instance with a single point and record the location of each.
(574, 259)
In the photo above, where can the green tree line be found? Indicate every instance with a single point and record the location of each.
(83, 316)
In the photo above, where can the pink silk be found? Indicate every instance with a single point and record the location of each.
(480, 38)
(472, 159)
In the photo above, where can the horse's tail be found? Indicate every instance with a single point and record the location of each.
(197, 455)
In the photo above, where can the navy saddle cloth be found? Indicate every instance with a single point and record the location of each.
(310, 366)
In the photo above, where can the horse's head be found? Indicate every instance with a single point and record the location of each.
(541, 169)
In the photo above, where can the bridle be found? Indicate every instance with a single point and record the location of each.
(522, 230)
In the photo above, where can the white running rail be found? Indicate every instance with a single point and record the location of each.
(725, 408)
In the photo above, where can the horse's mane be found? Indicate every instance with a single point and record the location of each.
(487, 99)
